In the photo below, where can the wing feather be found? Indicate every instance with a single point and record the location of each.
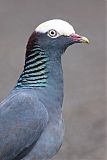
(22, 120)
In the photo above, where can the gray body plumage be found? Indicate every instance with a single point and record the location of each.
(31, 123)
(34, 116)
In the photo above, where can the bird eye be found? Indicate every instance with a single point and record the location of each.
(53, 33)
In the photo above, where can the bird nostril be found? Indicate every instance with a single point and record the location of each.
(75, 36)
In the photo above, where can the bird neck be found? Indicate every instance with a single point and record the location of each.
(41, 68)
(35, 72)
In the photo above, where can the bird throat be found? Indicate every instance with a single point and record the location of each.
(35, 71)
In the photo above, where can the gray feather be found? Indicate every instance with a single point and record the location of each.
(22, 120)
(31, 123)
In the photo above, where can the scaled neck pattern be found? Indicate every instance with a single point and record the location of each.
(35, 71)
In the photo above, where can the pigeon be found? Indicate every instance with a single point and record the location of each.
(31, 122)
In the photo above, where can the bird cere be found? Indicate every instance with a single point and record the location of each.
(32, 113)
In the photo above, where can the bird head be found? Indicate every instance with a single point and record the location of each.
(55, 35)
(59, 34)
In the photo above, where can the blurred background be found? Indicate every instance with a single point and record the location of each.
(83, 65)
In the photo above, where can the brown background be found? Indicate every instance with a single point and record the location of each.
(83, 65)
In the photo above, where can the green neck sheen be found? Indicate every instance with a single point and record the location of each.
(35, 72)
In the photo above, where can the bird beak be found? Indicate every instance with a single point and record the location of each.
(79, 39)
